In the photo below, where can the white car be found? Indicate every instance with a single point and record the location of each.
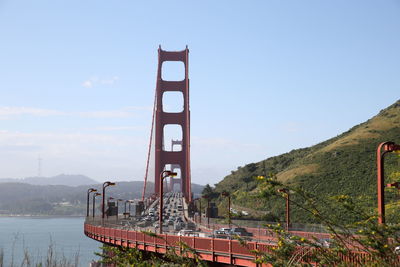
(227, 231)
(188, 233)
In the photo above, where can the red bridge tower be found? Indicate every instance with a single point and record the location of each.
(177, 159)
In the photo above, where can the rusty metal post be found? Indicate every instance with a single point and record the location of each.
(287, 198)
(382, 150)
(287, 210)
(90, 190)
(105, 184)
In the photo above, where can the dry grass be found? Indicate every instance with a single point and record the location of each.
(292, 173)
(368, 130)
(351, 139)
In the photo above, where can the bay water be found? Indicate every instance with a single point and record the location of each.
(36, 235)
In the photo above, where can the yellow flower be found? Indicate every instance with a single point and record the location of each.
(302, 239)
(260, 177)
(385, 246)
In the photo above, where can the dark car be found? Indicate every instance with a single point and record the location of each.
(240, 232)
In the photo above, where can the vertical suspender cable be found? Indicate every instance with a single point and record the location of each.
(149, 151)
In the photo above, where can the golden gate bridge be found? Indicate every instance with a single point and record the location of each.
(165, 203)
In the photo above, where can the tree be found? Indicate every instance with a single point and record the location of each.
(207, 191)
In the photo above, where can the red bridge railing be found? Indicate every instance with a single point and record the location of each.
(209, 249)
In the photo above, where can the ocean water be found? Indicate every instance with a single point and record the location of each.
(35, 235)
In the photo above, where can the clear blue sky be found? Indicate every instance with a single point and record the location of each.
(77, 79)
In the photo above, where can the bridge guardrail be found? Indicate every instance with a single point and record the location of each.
(209, 248)
(259, 234)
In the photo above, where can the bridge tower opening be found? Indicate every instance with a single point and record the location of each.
(170, 158)
(175, 184)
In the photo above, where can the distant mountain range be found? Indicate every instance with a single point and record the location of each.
(62, 179)
(51, 196)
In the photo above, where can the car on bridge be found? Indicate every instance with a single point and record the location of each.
(225, 230)
(220, 234)
(188, 233)
(240, 232)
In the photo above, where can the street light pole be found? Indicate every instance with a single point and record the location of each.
(106, 184)
(226, 194)
(163, 175)
(383, 149)
(90, 190)
(287, 197)
(94, 201)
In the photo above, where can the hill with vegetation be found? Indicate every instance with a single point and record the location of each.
(343, 165)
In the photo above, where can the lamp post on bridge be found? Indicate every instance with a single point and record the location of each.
(287, 197)
(163, 175)
(94, 202)
(106, 184)
(382, 150)
(226, 194)
(90, 190)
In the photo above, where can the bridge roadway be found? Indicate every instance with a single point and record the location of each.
(209, 245)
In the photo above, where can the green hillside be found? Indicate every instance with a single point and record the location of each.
(345, 164)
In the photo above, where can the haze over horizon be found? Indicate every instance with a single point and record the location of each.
(77, 80)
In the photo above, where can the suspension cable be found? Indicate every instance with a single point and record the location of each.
(149, 151)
